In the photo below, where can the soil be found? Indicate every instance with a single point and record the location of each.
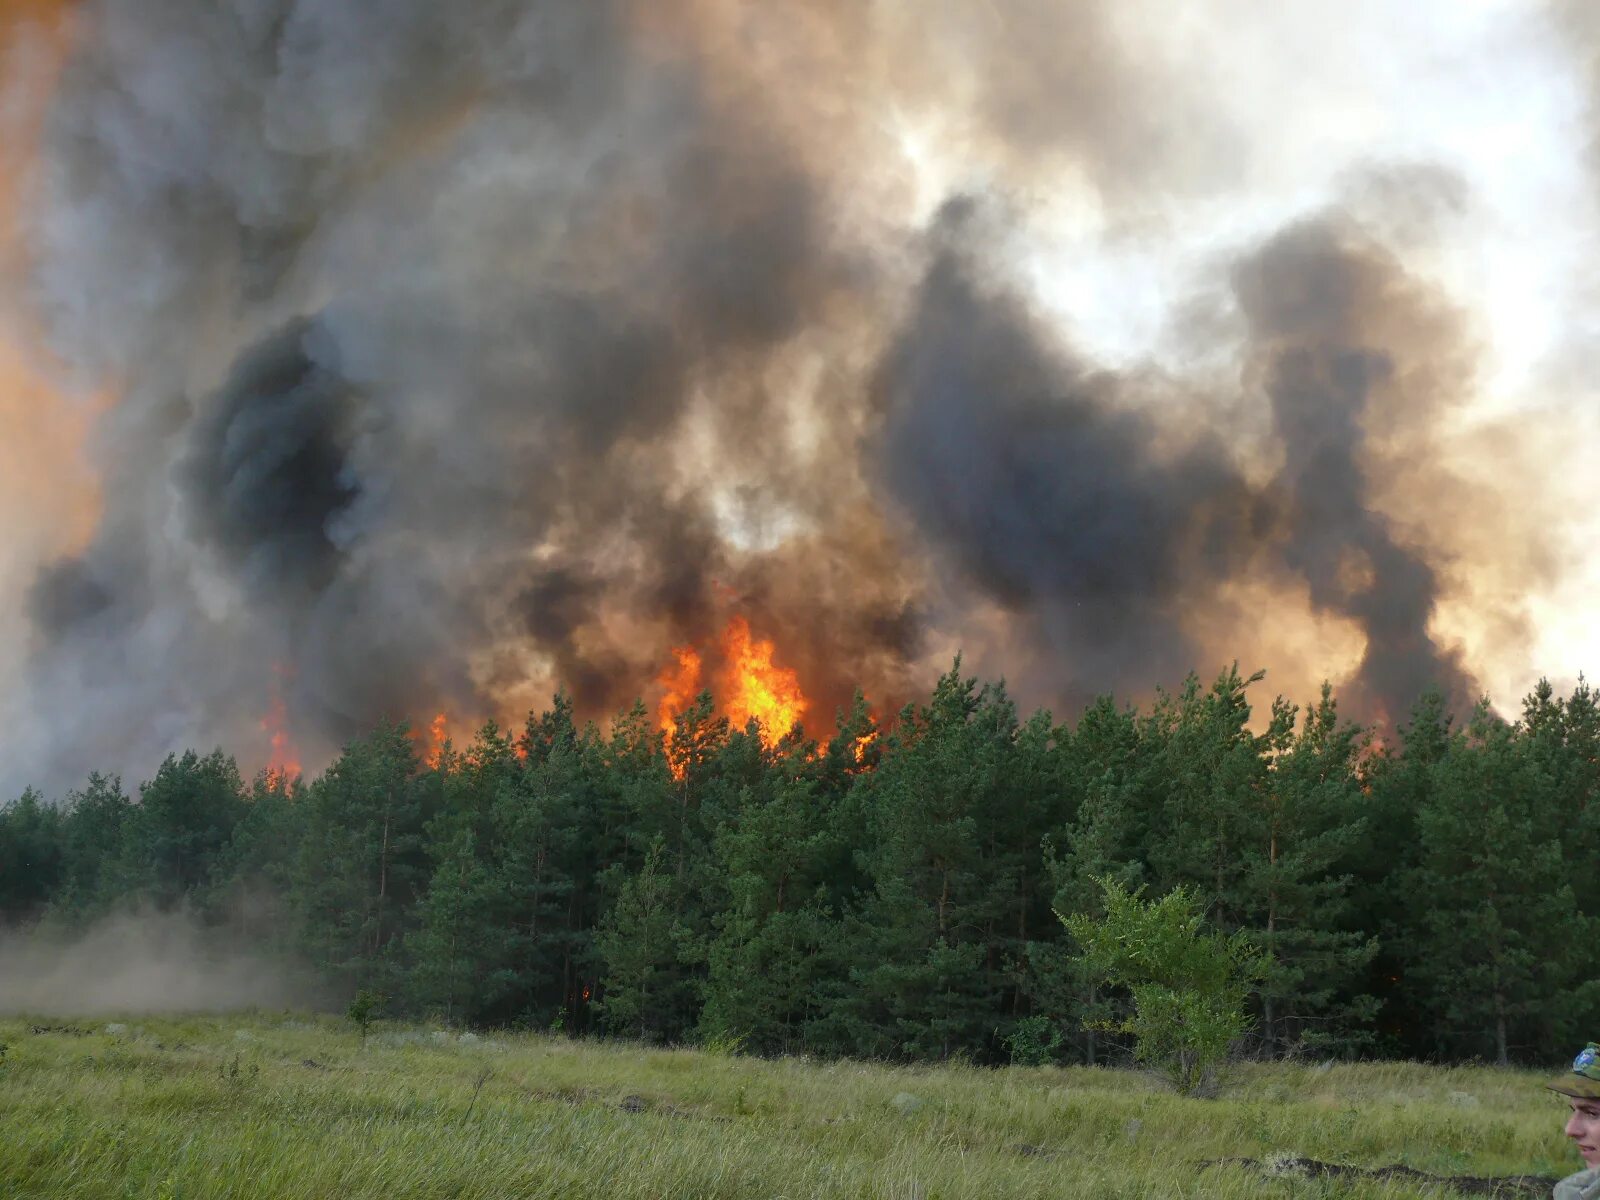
(1468, 1185)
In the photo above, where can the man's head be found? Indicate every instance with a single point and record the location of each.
(1581, 1087)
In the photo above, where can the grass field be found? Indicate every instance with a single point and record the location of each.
(294, 1106)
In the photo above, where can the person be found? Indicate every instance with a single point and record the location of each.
(1581, 1087)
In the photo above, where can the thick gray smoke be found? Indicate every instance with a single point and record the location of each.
(1334, 324)
(1062, 498)
(1046, 486)
(467, 351)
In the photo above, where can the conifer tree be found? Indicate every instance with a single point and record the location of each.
(1294, 891)
(362, 863)
(93, 832)
(30, 857)
(1497, 936)
(175, 834)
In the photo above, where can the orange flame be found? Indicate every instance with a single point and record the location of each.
(757, 688)
(752, 687)
(284, 764)
(439, 730)
(680, 684)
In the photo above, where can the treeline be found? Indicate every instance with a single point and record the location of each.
(889, 894)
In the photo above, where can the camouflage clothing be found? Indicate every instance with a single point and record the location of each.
(1583, 1081)
(1585, 1185)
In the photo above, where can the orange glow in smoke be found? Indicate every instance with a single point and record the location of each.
(44, 470)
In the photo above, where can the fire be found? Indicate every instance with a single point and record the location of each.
(284, 764)
(439, 730)
(752, 686)
(680, 684)
(756, 687)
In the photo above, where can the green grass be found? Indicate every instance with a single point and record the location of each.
(278, 1106)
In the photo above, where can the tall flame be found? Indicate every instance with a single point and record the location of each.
(283, 766)
(439, 731)
(757, 688)
(750, 685)
(680, 683)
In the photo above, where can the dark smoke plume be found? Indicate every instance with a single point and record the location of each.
(1046, 487)
(464, 352)
(1332, 323)
(1064, 500)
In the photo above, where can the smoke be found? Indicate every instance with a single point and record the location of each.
(1339, 335)
(1046, 486)
(138, 963)
(465, 352)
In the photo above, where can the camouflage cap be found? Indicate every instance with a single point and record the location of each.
(1583, 1081)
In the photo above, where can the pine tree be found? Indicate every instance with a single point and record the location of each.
(453, 945)
(93, 834)
(1294, 893)
(776, 844)
(1496, 933)
(1107, 804)
(956, 814)
(362, 863)
(184, 818)
(650, 991)
(31, 855)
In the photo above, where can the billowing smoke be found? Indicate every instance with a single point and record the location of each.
(463, 352)
(1339, 334)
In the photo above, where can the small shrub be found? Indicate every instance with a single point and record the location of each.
(1033, 1041)
(1188, 982)
(363, 1011)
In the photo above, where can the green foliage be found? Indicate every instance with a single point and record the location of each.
(647, 948)
(1034, 1041)
(184, 818)
(1188, 982)
(1505, 961)
(364, 1010)
(362, 865)
(888, 892)
(30, 857)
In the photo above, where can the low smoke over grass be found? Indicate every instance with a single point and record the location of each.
(139, 962)
(274, 1106)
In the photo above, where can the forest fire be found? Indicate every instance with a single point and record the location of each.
(750, 687)
(283, 767)
(680, 683)
(756, 688)
(439, 735)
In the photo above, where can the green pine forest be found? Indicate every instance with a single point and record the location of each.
(1426, 895)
